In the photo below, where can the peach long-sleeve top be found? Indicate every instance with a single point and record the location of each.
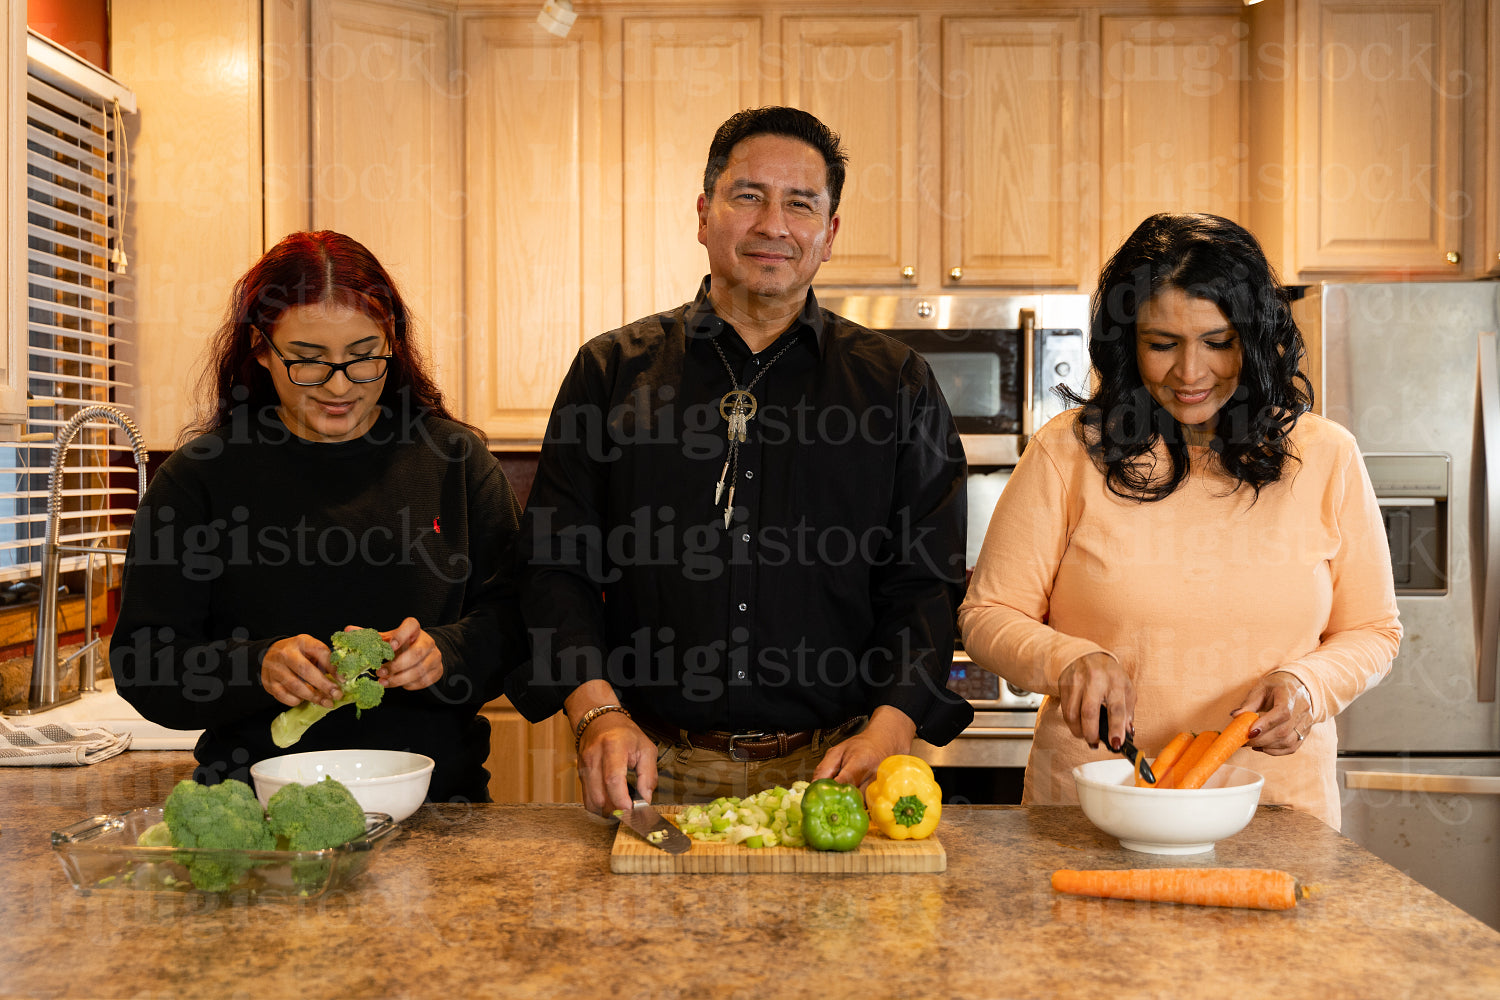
(1197, 596)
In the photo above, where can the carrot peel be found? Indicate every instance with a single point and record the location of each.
(1253, 888)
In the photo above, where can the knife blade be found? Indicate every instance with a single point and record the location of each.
(1127, 748)
(652, 826)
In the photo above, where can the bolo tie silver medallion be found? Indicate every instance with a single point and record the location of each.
(737, 406)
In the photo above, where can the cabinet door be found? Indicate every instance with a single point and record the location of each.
(541, 277)
(1171, 134)
(1491, 161)
(530, 763)
(1013, 151)
(385, 155)
(683, 78)
(859, 77)
(1379, 148)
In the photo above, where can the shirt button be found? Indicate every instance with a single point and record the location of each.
(739, 675)
(744, 607)
(749, 474)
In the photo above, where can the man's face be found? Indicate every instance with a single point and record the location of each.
(768, 227)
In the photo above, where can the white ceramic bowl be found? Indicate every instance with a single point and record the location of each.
(1166, 820)
(387, 781)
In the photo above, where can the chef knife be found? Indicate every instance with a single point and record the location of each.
(652, 826)
(1127, 748)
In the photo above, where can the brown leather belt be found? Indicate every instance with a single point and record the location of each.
(751, 746)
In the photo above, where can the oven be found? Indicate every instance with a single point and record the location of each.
(999, 360)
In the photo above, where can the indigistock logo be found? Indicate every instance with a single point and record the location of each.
(697, 429)
(702, 672)
(650, 538)
(205, 551)
(206, 671)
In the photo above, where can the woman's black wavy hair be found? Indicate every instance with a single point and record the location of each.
(1211, 258)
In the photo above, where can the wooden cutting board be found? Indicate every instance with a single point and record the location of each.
(631, 855)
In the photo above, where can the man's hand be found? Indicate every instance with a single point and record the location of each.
(853, 762)
(612, 745)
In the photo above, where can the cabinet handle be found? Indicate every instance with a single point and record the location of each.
(1452, 257)
(956, 274)
(1437, 784)
(908, 272)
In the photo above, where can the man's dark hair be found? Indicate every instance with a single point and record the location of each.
(794, 123)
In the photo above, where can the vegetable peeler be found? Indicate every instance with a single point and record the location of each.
(1127, 748)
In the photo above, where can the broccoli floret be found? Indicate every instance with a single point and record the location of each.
(356, 654)
(155, 835)
(357, 651)
(317, 816)
(227, 816)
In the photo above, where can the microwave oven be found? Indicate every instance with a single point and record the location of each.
(999, 359)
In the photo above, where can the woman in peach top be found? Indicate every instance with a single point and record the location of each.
(1190, 542)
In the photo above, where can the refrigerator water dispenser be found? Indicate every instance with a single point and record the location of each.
(1413, 493)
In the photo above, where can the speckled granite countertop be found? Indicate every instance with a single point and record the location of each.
(519, 901)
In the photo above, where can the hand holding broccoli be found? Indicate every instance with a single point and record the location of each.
(354, 657)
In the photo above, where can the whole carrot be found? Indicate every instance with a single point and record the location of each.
(1189, 757)
(1231, 739)
(1254, 888)
(1164, 760)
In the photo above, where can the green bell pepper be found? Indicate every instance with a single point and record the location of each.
(833, 816)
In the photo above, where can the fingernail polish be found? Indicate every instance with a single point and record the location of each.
(1254, 733)
(1114, 745)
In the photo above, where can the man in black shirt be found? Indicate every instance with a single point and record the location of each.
(745, 540)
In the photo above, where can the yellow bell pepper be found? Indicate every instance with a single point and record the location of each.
(904, 799)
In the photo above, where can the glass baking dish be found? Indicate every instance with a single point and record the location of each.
(100, 854)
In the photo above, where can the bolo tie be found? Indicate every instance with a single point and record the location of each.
(737, 407)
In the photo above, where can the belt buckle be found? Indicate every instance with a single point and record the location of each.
(756, 735)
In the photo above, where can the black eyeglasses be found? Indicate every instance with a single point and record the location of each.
(370, 369)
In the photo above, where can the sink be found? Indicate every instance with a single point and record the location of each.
(105, 709)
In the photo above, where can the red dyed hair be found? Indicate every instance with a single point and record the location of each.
(305, 269)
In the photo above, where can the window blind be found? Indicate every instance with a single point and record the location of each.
(75, 192)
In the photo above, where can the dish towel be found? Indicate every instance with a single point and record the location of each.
(55, 743)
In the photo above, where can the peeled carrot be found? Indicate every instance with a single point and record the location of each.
(1164, 760)
(1189, 757)
(1255, 888)
(1231, 739)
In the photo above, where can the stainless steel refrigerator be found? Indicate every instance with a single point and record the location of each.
(1412, 369)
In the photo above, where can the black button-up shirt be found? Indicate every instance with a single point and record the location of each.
(831, 590)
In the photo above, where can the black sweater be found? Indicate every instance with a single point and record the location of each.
(249, 534)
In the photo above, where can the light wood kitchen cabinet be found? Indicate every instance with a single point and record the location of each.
(1014, 169)
(530, 763)
(195, 212)
(1172, 122)
(682, 77)
(542, 231)
(1490, 165)
(861, 76)
(385, 155)
(1361, 144)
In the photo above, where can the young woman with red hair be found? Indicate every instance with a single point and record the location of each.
(324, 484)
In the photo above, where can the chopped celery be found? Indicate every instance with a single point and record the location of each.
(766, 819)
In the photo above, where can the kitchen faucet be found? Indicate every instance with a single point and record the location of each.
(44, 665)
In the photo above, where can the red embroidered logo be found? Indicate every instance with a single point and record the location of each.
(437, 525)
